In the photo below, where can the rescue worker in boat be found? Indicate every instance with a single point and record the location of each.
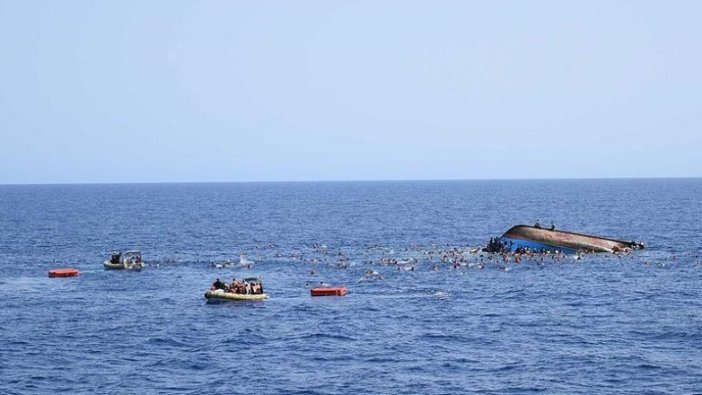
(218, 284)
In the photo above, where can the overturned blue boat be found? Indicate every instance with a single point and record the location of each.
(534, 238)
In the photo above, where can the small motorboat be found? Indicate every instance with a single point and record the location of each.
(248, 289)
(328, 291)
(130, 260)
(220, 294)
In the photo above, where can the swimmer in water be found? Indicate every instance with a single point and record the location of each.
(372, 274)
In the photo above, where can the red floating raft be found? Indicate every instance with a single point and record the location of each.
(66, 272)
(328, 291)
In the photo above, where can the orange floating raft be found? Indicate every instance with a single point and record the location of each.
(65, 272)
(328, 291)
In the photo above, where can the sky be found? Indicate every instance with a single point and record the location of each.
(188, 91)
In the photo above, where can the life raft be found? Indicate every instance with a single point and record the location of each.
(65, 272)
(328, 291)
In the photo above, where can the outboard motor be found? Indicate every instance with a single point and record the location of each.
(116, 257)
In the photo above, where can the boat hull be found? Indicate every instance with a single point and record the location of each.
(221, 295)
(123, 266)
(113, 266)
(558, 240)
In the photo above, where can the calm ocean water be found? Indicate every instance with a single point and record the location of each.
(598, 325)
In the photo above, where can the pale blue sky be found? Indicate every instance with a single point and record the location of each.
(145, 91)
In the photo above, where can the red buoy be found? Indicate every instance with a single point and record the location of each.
(328, 291)
(65, 272)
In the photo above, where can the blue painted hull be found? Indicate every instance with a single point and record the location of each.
(514, 244)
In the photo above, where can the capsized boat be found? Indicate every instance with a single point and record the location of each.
(130, 260)
(549, 239)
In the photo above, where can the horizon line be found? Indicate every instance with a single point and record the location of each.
(351, 180)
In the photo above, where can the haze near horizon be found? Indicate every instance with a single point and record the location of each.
(171, 91)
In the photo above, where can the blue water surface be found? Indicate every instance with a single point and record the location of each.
(602, 324)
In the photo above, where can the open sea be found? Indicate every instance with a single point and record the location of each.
(602, 324)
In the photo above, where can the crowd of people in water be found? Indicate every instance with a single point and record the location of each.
(414, 257)
(243, 287)
(374, 262)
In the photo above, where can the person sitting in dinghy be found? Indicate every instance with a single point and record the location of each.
(234, 286)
